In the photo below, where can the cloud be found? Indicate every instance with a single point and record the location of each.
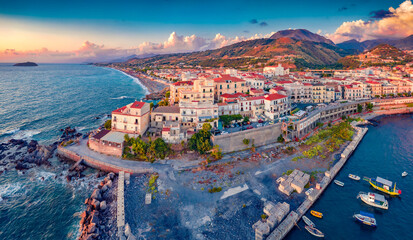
(92, 52)
(397, 23)
(254, 21)
(380, 14)
(263, 24)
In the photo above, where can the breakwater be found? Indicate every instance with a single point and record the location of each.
(294, 216)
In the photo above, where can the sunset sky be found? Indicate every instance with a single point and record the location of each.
(80, 31)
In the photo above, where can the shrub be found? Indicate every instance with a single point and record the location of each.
(108, 125)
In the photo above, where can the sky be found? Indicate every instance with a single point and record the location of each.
(90, 31)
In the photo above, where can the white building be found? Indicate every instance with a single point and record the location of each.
(276, 106)
(275, 71)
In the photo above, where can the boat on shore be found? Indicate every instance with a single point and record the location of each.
(354, 177)
(374, 199)
(314, 231)
(384, 185)
(366, 218)
(316, 214)
(404, 174)
(341, 184)
(308, 221)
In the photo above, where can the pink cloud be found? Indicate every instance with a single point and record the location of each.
(398, 24)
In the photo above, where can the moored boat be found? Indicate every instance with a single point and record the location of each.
(354, 177)
(404, 174)
(341, 184)
(316, 214)
(366, 218)
(385, 186)
(314, 231)
(374, 199)
(308, 221)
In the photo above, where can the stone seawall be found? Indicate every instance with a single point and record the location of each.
(257, 136)
(294, 216)
(98, 164)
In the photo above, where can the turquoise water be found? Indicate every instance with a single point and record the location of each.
(35, 102)
(385, 151)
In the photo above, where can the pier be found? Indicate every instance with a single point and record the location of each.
(294, 216)
(120, 212)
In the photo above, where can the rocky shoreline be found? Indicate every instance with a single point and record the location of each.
(97, 221)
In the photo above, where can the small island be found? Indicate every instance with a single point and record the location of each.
(26, 64)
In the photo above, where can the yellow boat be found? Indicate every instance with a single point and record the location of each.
(385, 186)
(316, 214)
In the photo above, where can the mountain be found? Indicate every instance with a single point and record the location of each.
(134, 56)
(303, 53)
(380, 55)
(301, 34)
(403, 43)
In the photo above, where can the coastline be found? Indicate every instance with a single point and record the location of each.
(149, 85)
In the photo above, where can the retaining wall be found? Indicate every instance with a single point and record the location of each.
(120, 213)
(257, 136)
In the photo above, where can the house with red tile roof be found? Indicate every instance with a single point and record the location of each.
(276, 106)
(229, 84)
(132, 118)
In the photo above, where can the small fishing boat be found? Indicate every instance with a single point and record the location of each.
(404, 174)
(385, 186)
(366, 218)
(374, 199)
(308, 221)
(316, 214)
(314, 231)
(341, 184)
(354, 177)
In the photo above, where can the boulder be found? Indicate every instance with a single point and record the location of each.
(104, 188)
(128, 231)
(95, 203)
(91, 228)
(96, 194)
(111, 175)
(109, 184)
(94, 217)
(103, 205)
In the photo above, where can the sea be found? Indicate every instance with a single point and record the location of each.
(385, 151)
(35, 103)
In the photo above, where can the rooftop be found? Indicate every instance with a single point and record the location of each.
(116, 137)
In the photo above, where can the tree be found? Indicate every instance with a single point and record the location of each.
(246, 141)
(207, 127)
(158, 149)
(167, 94)
(164, 102)
(343, 117)
(359, 108)
(369, 106)
(377, 96)
(108, 125)
(216, 153)
(280, 139)
(200, 141)
(151, 105)
(246, 119)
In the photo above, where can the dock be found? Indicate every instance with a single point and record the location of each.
(294, 216)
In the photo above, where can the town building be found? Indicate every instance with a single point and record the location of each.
(195, 114)
(276, 106)
(133, 118)
(229, 84)
(174, 90)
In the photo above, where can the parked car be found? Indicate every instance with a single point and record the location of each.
(271, 122)
(244, 128)
(216, 132)
(232, 125)
(250, 127)
(223, 132)
(259, 125)
(260, 121)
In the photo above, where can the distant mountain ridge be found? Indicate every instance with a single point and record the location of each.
(301, 47)
(301, 34)
(403, 44)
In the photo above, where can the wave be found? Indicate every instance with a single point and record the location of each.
(10, 132)
(9, 189)
(121, 97)
(25, 134)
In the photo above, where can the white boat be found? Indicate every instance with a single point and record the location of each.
(308, 221)
(374, 199)
(366, 218)
(354, 177)
(314, 231)
(309, 191)
(341, 184)
(404, 174)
